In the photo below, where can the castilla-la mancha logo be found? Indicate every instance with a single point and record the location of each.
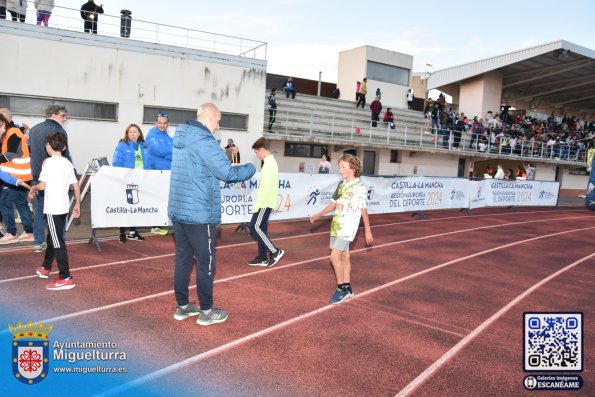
(30, 352)
(132, 193)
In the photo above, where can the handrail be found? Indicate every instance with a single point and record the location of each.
(110, 25)
(408, 135)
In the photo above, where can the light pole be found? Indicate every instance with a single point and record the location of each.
(319, 82)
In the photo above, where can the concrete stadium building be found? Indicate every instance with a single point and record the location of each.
(108, 81)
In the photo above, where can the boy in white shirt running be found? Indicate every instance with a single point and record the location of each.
(349, 204)
(57, 175)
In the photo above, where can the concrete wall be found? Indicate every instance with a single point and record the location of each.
(480, 94)
(391, 93)
(352, 68)
(74, 67)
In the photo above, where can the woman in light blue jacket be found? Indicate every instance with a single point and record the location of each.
(132, 152)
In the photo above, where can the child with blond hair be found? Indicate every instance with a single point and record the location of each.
(349, 204)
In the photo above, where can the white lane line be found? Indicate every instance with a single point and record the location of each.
(146, 258)
(257, 272)
(423, 377)
(113, 238)
(220, 349)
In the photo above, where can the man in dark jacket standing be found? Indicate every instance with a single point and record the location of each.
(376, 108)
(56, 116)
(194, 206)
(90, 12)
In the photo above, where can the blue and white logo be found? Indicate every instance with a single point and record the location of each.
(132, 193)
(30, 352)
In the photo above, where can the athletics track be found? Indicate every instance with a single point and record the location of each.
(438, 309)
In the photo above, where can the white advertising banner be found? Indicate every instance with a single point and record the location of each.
(126, 197)
(503, 193)
(404, 194)
(300, 195)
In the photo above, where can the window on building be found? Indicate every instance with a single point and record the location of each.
(394, 156)
(229, 121)
(304, 150)
(387, 73)
(35, 106)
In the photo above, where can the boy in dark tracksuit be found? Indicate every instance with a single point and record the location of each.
(266, 202)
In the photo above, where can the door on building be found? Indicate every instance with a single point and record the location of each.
(369, 162)
(461, 170)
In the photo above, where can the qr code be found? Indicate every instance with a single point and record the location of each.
(553, 341)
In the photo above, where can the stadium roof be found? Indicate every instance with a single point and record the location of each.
(557, 76)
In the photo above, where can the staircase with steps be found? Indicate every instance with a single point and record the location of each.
(313, 119)
(317, 119)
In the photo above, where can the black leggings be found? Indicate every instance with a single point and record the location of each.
(272, 117)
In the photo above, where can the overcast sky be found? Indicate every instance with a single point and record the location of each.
(306, 36)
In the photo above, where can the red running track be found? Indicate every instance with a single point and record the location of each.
(437, 312)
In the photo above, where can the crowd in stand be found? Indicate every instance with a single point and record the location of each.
(517, 134)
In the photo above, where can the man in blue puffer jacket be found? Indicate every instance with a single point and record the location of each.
(160, 144)
(194, 207)
(160, 149)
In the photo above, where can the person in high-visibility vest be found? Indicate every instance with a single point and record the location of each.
(15, 160)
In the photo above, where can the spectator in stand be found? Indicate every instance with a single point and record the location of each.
(410, 97)
(378, 93)
(272, 105)
(441, 102)
(160, 146)
(476, 131)
(551, 120)
(363, 90)
(90, 13)
(530, 172)
(131, 152)
(489, 116)
(336, 94)
(521, 173)
(44, 11)
(376, 108)
(325, 166)
(358, 86)
(499, 172)
(509, 175)
(435, 115)
(17, 9)
(550, 145)
(504, 113)
(428, 117)
(451, 119)
(489, 171)
(495, 124)
(289, 88)
(459, 127)
(519, 118)
(389, 118)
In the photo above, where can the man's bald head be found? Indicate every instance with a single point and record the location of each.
(209, 115)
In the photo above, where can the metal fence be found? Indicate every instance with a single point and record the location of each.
(111, 25)
(302, 126)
